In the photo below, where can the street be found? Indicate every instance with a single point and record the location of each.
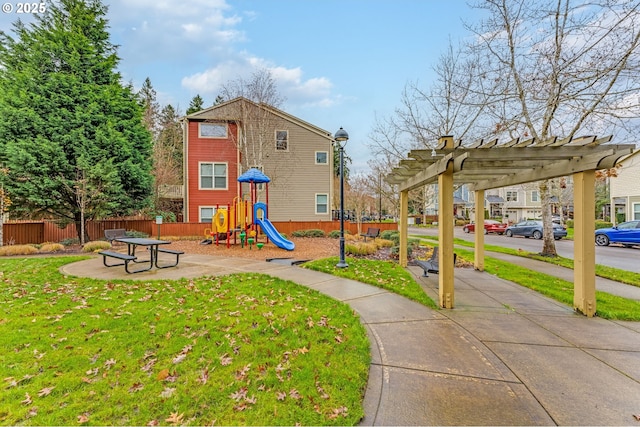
(611, 256)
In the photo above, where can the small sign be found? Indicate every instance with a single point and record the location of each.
(159, 219)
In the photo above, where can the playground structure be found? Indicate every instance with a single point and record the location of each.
(241, 218)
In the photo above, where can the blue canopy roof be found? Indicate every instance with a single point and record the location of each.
(254, 175)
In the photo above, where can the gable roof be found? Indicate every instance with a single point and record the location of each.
(206, 114)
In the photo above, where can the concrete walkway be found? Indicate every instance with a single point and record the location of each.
(504, 356)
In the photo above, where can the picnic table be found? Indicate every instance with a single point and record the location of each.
(153, 246)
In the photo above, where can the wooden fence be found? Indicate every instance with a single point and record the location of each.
(36, 232)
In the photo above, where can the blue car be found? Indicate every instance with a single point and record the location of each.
(533, 228)
(625, 233)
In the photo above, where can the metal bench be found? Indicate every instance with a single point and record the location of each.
(124, 257)
(114, 233)
(169, 251)
(371, 232)
(432, 265)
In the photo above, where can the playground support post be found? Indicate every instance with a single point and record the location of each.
(341, 138)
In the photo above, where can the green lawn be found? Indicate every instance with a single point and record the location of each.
(245, 349)
(608, 306)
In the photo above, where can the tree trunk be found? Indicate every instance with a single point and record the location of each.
(549, 243)
(81, 228)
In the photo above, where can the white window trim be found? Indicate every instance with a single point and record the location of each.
(275, 135)
(213, 208)
(509, 194)
(226, 128)
(226, 183)
(316, 157)
(315, 202)
(537, 194)
(634, 211)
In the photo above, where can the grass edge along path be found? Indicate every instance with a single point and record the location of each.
(387, 275)
(611, 273)
(609, 306)
(242, 349)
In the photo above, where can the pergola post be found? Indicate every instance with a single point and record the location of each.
(404, 227)
(584, 271)
(478, 260)
(445, 236)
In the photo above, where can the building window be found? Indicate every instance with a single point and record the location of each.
(322, 157)
(212, 130)
(322, 204)
(206, 213)
(282, 140)
(636, 211)
(213, 176)
(512, 196)
(535, 196)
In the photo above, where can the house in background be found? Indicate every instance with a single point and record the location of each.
(224, 141)
(625, 189)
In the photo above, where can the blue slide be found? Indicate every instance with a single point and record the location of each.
(269, 229)
(272, 233)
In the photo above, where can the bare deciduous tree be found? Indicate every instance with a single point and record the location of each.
(559, 68)
(258, 124)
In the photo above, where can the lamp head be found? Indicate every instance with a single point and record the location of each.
(341, 137)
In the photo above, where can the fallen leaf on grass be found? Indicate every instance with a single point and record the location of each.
(174, 418)
(27, 399)
(281, 395)
(341, 411)
(240, 394)
(45, 391)
(225, 360)
(293, 393)
(204, 376)
(136, 387)
(167, 392)
(163, 374)
(83, 418)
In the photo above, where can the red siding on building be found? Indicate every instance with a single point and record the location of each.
(212, 150)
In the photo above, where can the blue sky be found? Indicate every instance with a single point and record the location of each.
(336, 62)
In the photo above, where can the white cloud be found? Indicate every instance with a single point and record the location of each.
(290, 81)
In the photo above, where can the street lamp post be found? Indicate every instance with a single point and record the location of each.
(341, 138)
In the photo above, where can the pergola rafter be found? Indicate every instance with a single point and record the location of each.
(485, 165)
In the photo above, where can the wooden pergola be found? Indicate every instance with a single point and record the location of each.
(487, 165)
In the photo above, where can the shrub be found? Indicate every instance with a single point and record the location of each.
(18, 250)
(389, 234)
(51, 247)
(383, 243)
(308, 233)
(361, 248)
(69, 242)
(96, 245)
(136, 234)
(603, 224)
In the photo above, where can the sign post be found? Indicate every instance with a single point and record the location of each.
(159, 222)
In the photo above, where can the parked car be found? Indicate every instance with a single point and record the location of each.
(625, 233)
(490, 226)
(533, 229)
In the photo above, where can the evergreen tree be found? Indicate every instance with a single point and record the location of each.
(196, 104)
(148, 98)
(71, 135)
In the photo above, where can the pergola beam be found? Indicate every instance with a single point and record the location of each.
(487, 164)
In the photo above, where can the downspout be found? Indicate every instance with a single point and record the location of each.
(185, 169)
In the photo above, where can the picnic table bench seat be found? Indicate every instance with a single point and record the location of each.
(124, 257)
(432, 265)
(177, 253)
(372, 232)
